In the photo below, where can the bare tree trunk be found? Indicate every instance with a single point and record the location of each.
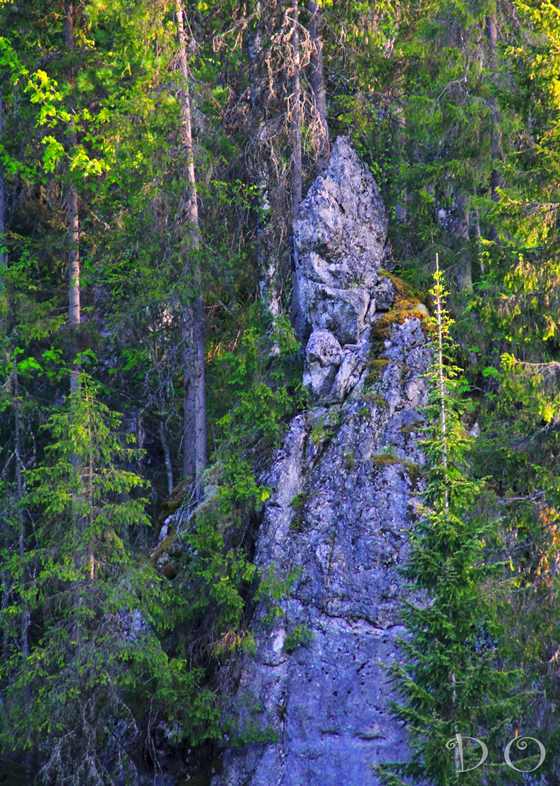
(3, 264)
(461, 230)
(74, 308)
(476, 233)
(25, 618)
(166, 457)
(3, 255)
(6, 320)
(3, 606)
(266, 259)
(73, 224)
(401, 145)
(441, 384)
(496, 137)
(272, 214)
(74, 317)
(317, 79)
(296, 113)
(4, 297)
(194, 429)
(20, 489)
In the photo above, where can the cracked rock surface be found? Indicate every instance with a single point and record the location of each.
(311, 707)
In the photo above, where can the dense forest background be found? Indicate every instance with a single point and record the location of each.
(152, 156)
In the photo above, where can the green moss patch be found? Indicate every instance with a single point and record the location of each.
(407, 305)
(413, 470)
(376, 367)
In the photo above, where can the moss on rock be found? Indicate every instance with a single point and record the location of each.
(407, 305)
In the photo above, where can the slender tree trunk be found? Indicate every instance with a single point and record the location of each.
(194, 430)
(317, 79)
(296, 112)
(441, 386)
(476, 233)
(266, 258)
(461, 230)
(3, 264)
(81, 558)
(20, 489)
(6, 589)
(496, 136)
(73, 223)
(295, 118)
(268, 249)
(6, 321)
(74, 307)
(4, 297)
(166, 457)
(3, 255)
(401, 145)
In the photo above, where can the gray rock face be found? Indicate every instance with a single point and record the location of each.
(339, 243)
(311, 707)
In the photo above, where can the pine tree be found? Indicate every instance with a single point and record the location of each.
(452, 681)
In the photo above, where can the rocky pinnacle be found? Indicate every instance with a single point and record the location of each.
(311, 706)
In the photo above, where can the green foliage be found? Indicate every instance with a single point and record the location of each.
(462, 136)
(253, 734)
(273, 588)
(264, 391)
(102, 614)
(452, 681)
(299, 636)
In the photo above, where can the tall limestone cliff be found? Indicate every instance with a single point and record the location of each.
(310, 708)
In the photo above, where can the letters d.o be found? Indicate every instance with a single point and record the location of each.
(521, 743)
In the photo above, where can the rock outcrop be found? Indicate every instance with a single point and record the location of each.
(311, 707)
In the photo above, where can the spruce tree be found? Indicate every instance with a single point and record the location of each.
(452, 681)
(96, 664)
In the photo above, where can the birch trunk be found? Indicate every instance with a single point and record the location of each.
(73, 224)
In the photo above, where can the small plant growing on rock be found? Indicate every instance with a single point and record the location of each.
(386, 458)
(375, 399)
(300, 636)
(298, 504)
(274, 588)
(376, 367)
(319, 432)
(325, 427)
